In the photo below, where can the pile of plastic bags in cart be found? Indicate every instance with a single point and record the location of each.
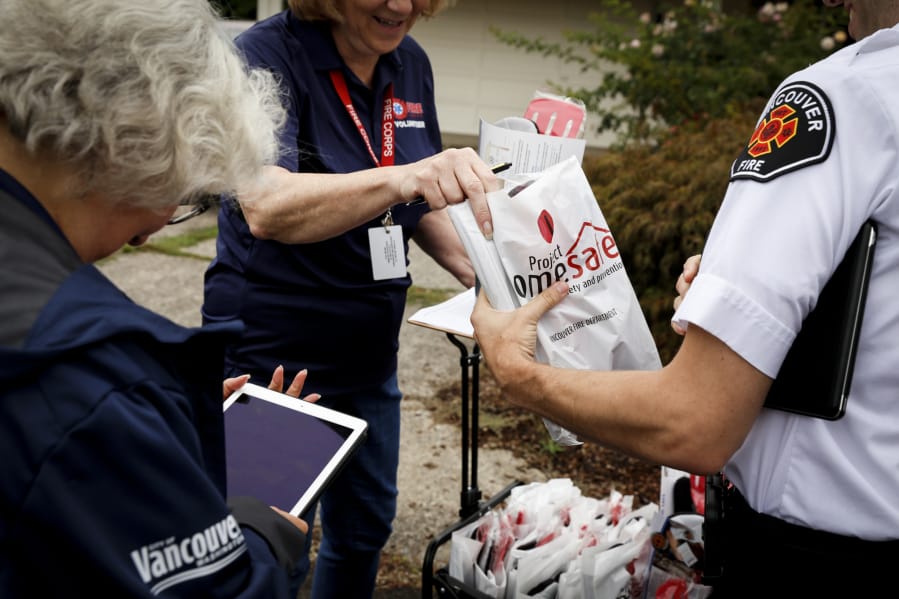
(550, 541)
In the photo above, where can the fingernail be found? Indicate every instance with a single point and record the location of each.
(488, 230)
(561, 287)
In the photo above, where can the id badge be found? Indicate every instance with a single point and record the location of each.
(388, 260)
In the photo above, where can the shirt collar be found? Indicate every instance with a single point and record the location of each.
(18, 191)
(879, 40)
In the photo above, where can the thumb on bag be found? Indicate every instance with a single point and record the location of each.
(541, 304)
(494, 327)
(534, 309)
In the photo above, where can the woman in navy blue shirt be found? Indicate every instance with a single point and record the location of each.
(314, 259)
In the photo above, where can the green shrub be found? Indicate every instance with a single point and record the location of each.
(692, 61)
(236, 9)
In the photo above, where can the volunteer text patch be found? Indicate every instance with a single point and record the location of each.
(796, 131)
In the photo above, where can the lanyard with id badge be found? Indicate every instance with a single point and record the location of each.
(388, 259)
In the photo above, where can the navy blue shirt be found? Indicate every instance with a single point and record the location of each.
(317, 305)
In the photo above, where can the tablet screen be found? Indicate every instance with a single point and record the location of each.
(282, 455)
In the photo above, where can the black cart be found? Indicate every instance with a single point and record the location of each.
(438, 583)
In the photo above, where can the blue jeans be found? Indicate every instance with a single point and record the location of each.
(358, 508)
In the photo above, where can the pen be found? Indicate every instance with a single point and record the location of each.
(496, 168)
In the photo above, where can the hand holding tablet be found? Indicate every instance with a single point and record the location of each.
(284, 450)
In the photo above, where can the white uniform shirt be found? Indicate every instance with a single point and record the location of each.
(826, 158)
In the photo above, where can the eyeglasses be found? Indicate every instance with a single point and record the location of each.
(188, 211)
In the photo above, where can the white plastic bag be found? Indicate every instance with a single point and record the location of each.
(464, 550)
(551, 228)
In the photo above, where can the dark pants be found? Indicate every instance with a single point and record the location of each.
(358, 508)
(763, 556)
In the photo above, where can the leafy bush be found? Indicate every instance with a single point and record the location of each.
(692, 61)
(236, 9)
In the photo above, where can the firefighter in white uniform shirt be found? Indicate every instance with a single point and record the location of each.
(824, 159)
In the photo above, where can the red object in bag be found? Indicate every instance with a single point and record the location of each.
(697, 492)
(673, 588)
(556, 116)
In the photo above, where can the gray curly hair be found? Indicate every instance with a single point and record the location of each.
(147, 99)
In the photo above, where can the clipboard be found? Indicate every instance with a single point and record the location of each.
(816, 375)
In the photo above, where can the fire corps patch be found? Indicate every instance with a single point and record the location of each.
(796, 131)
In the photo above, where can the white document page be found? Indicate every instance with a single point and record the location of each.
(528, 152)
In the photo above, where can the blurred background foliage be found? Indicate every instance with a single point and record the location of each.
(236, 9)
(682, 90)
(686, 61)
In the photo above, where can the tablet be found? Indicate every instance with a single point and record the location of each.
(816, 375)
(283, 450)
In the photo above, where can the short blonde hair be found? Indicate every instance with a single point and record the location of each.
(147, 99)
(326, 10)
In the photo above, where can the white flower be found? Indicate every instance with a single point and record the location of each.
(635, 43)
(781, 7)
(645, 18)
(767, 10)
(827, 43)
(658, 50)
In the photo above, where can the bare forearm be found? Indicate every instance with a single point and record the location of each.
(308, 207)
(631, 411)
(691, 414)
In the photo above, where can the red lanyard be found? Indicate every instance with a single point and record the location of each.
(387, 138)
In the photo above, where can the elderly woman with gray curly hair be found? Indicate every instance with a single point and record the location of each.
(112, 113)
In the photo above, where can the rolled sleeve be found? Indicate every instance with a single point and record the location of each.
(741, 323)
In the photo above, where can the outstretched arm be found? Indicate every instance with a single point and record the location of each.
(693, 414)
(307, 207)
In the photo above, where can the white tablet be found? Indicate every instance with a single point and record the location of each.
(283, 450)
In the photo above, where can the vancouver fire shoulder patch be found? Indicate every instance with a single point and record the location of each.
(796, 131)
